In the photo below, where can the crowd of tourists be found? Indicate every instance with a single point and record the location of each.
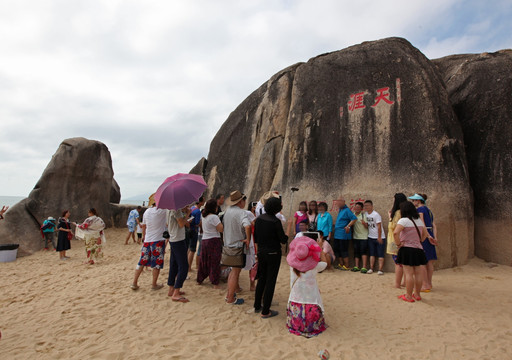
(226, 237)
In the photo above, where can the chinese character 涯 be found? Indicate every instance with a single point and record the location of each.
(356, 101)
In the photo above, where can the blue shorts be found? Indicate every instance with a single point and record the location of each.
(377, 249)
(131, 227)
(152, 254)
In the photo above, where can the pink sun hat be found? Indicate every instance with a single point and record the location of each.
(304, 254)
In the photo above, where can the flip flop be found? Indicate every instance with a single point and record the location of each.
(404, 298)
(425, 290)
(181, 299)
(157, 287)
(272, 313)
(238, 301)
(134, 287)
(416, 297)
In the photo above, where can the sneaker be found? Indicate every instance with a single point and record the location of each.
(364, 270)
(380, 272)
(355, 269)
(370, 271)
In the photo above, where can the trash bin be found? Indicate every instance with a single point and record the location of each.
(8, 252)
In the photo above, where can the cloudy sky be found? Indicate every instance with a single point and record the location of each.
(155, 80)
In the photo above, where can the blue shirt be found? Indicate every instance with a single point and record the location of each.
(132, 217)
(344, 217)
(49, 229)
(324, 223)
(196, 213)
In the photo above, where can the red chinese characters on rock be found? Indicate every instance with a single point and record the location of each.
(356, 101)
(382, 94)
(354, 201)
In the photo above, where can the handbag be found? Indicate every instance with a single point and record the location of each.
(232, 257)
(70, 234)
(253, 273)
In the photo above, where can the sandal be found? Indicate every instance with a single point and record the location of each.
(238, 301)
(134, 287)
(181, 299)
(416, 297)
(404, 298)
(272, 313)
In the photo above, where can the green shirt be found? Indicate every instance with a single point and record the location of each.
(360, 232)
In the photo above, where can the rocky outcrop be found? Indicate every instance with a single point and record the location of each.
(200, 167)
(78, 177)
(480, 90)
(365, 122)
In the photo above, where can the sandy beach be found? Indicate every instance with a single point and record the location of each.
(51, 309)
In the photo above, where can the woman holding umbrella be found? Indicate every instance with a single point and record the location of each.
(175, 193)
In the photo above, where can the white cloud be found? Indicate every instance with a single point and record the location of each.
(154, 80)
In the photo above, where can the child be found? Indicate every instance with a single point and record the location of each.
(305, 308)
(139, 233)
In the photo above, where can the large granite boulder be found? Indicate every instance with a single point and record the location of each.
(365, 122)
(480, 90)
(78, 177)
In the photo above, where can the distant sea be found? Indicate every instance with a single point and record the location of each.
(11, 200)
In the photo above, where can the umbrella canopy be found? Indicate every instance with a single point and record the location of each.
(179, 190)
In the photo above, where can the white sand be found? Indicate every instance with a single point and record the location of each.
(51, 309)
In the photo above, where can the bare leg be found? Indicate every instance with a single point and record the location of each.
(430, 272)
(340, 261)
(399, 272)
(381, 263)
(137, 274)
(127, 238)
(409, 280)
(372, 262)
(233, 283)
(190, 257)
(253, 283)
(356, 260)
(425, 285)
(329, 261)
(365, 260)
(155, 274)
(418, 280)
(345, 262)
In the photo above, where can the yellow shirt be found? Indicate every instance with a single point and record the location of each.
(391, 246)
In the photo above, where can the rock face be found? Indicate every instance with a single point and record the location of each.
(480, 90)
(78, 177)
(364, 122)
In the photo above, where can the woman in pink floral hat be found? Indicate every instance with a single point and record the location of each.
(305, 311)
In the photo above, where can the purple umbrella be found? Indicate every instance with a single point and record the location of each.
(179, 190)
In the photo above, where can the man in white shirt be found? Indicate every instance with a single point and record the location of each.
(153, 251)
(376, 237)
